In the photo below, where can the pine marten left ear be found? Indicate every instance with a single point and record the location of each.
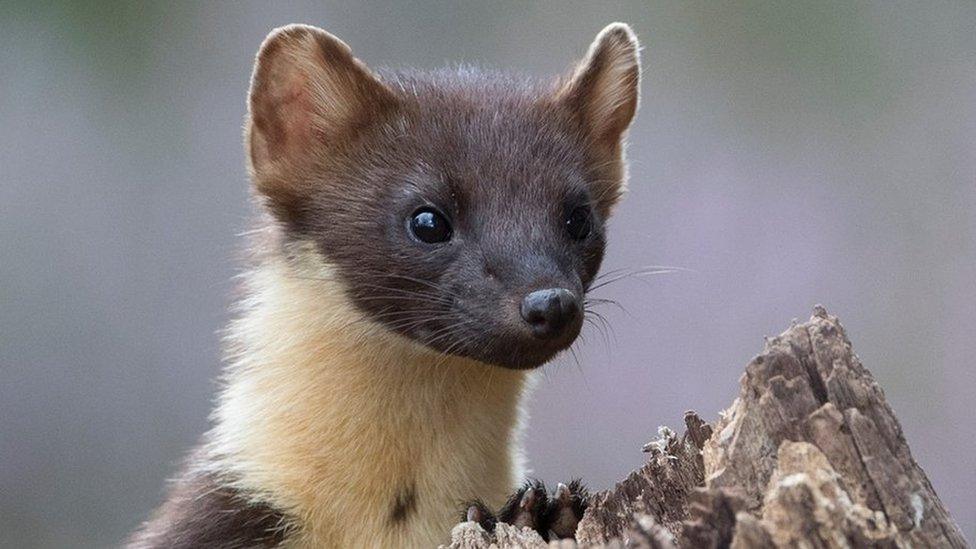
(604, 89)
(308, 96)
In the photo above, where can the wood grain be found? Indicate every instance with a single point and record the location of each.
(809, 454)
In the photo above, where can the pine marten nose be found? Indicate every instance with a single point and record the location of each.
(548, 312)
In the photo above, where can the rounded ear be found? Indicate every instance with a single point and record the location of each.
(604, 90)
(308, 93)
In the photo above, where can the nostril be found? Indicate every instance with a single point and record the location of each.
(534, 317)
(535, 307)
(549, 311)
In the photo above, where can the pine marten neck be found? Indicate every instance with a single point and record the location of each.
(426, 241)
(320, 400)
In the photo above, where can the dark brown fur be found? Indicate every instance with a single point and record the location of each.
(403, 506)
(203, 510)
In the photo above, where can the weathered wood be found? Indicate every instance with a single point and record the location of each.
(659, 490)
(810, 454)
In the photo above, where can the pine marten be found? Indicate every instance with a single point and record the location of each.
(426, 240)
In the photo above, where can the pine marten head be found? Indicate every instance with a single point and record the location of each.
(465, 210)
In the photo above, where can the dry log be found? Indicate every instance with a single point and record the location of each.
(810, 454)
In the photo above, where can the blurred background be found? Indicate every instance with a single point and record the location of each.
(787, 153)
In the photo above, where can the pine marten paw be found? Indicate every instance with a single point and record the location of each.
(553, 516)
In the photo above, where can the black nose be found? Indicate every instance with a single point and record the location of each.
(548, 312)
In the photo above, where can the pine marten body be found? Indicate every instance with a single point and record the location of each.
(427, 240)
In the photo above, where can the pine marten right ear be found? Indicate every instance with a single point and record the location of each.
(602, 94)
(605, 87)
(308, 95)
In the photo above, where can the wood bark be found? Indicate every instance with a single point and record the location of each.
(809, 454)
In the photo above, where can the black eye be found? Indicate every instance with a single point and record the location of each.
(578, 224)
(428, 225)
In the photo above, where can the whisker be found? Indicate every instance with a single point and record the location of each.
(641, 269)
(608, 327)
(602, 331)
(591, 301)
(444, 332)
(428, 283)
(409, 293)
(394, 298)
(575, 355)
(600, 283)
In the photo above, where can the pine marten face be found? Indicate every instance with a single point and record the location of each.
(464, 210)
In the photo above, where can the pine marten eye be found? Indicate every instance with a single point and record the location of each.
(430, 226)
(579, 223)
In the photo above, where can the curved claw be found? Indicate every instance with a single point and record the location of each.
(566, 508)
(478, 512)
(553, 517)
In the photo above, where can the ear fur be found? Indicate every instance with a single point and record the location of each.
(308, 94)
(605, 88)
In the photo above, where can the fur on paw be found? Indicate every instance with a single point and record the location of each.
(553, 516)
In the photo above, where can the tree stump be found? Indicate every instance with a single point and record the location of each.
(810, 454)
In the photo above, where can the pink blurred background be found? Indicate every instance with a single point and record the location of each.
(786, 154)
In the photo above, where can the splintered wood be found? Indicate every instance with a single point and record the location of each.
(810, 454)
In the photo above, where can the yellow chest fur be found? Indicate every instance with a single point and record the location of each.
(366, 438)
